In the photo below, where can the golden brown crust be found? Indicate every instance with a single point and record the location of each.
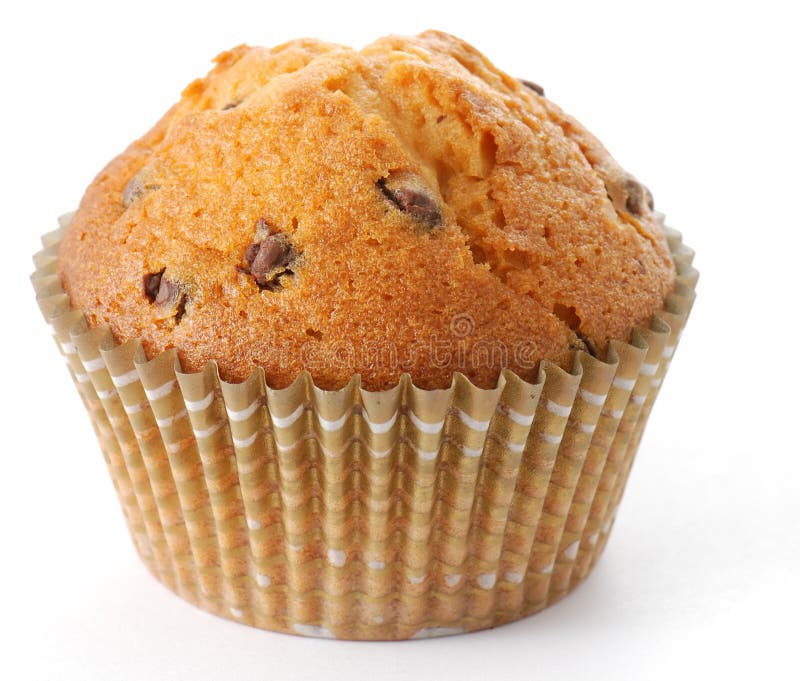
(435, 215)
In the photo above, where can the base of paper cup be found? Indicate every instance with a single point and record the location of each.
(371, 630)
(358, 515)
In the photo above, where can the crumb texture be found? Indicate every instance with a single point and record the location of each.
(398, 208)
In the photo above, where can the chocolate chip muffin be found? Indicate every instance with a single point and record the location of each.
(310, 213)
(403, 208)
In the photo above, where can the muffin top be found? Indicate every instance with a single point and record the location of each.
(403, 208)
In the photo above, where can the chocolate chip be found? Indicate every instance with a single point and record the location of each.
(538, 89)
(168, 292)
(172, 298)
(270, 259)
(136, 188)
(151, 285)
(650, 203)
(411, 196)
(232, 105)
(180, 310)
(636, 200)
(168, 297)
(628, 194)
(251, 253)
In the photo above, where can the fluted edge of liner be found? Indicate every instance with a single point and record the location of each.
(405, 513)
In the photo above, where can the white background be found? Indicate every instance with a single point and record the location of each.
(700, 578)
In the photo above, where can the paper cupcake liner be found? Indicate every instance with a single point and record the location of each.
(366, 515)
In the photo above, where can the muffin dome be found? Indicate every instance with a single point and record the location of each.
(403, 208)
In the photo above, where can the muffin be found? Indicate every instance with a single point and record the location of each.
(368, 338)
(310, 199)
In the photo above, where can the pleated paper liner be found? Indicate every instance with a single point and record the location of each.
(367, 515)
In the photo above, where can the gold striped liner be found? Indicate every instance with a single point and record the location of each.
(353, 514)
